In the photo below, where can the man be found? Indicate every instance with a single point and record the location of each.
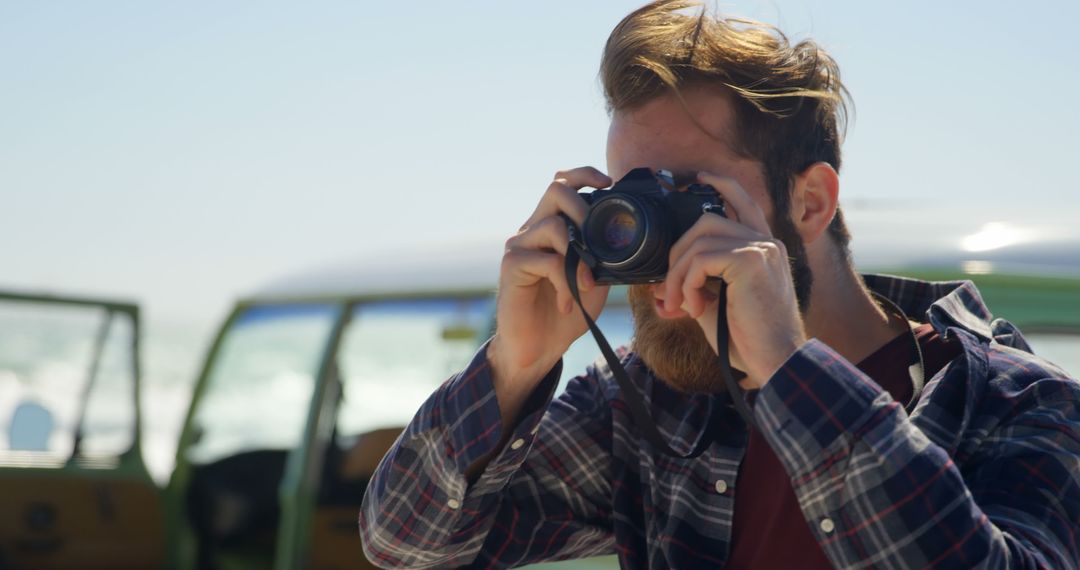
(854, 462)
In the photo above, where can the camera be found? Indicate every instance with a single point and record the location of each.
(631, 226)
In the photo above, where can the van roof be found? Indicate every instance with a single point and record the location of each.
(459, 268)
(472, 267)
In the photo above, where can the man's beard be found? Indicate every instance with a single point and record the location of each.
(676, 350)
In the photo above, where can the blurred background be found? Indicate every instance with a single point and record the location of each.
(185, 155)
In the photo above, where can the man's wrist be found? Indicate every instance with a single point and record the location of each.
(513, 384)
(782, 353)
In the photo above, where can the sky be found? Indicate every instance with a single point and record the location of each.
(185, 154)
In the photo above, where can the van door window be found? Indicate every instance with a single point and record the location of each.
(261, 381)
(66, 375)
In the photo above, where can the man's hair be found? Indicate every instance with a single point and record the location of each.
(790, 106)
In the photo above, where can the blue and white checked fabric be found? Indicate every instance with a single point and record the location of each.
(984, 473)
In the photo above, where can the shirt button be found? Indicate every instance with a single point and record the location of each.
(721, 486)
(454, 504)
(827, 525)
(517, 444)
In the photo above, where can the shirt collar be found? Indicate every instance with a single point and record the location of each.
(944, 304)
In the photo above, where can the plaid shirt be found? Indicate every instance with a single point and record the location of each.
(984, 473)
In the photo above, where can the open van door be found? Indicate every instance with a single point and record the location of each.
(300, 398)
(298, 401)
(75, 490)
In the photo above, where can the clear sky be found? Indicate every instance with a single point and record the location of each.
(185, 153)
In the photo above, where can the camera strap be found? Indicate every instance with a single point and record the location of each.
(634, 403)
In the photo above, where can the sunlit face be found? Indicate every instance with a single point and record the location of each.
(663, 135)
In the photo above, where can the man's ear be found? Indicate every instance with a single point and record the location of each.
(815, 199)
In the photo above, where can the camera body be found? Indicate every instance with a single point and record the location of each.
(631, 226)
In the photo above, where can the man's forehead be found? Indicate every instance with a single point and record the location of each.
(665, 135)
(709, 111)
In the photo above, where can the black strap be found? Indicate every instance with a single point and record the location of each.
(723, 339)
(642, 417)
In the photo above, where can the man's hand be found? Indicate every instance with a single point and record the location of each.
(762, 311)
(536, 318)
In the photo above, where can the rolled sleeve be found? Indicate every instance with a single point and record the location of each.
(474, 422)
(420, 510)
(814, 400)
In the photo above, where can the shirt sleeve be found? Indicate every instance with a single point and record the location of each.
(877, 492)
(544, 496)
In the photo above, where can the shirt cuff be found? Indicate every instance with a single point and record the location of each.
(814, 402)
(473, 420)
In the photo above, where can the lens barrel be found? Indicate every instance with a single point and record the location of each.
(626, 234)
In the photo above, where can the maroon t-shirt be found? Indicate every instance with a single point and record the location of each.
(769, 530)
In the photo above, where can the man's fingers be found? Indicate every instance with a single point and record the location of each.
(714, 226)
(559, 198)
(674, 295)
(737, 202)
(529, 267)
(562, 194)
(548, 234)
(725, 258)
(583, 176)
(697, 274)
(585, 277)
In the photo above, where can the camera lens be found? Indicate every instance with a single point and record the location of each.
(614, 229)
(620, 229)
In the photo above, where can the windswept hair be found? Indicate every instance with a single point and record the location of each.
(790, 106)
